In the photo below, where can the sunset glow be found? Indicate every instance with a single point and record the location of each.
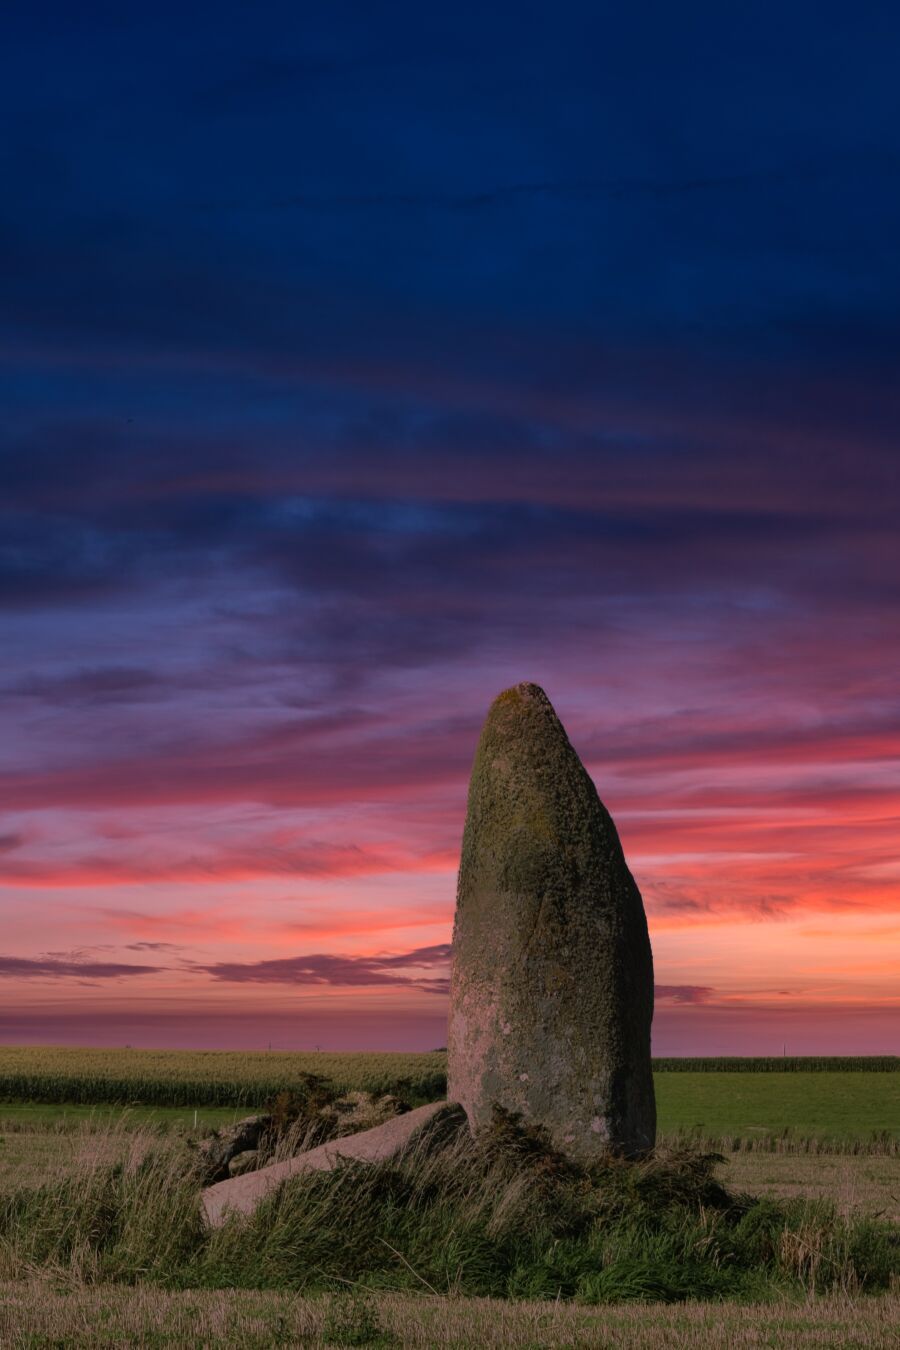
(312, 443)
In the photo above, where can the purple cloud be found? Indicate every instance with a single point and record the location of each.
(684, 993)
(22, 967)
(153, 947)
(327, 969)
(101, 684)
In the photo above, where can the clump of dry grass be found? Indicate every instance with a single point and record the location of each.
(126, 1207)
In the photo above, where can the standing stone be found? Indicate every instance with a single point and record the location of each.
(551, 994)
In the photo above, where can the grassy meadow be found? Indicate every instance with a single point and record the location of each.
(754, 1107)
(769, 1215)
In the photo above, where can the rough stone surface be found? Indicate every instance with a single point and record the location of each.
(552, 985)
(357, 1111)
(217, 1151)
(243, 1162)
(421, 1127)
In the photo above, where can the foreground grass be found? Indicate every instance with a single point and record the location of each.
(37, 1316)
(500, 1218)
(855, 1183)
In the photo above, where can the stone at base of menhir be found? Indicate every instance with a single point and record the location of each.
(218, 1151)
(425, 1128)
(552, 986)
(247, 1161)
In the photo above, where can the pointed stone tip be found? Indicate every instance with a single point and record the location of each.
(526, 691)
(523, 714)
(524, 721)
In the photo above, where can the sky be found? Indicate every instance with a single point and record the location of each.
(357, 362)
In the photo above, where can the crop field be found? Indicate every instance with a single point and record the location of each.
(205, 1077)
(855, 1101)
(780, 1064)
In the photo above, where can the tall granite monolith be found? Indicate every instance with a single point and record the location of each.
(552, 985)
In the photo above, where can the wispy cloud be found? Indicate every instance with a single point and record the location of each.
(307, 859)
(48, 967)
(92, 685)
(684, 993)
(153, 947)
(411, 969)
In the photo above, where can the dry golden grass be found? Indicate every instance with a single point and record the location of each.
(33, 1158)
(29, 1160)
(859, 1183)
(39, 1315)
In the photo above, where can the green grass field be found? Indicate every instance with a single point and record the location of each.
(818, 1105)
(45, 1115)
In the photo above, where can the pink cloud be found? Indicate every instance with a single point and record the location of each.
(308, 860)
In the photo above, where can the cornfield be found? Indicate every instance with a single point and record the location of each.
(781, 1064)
(205, 1077)
(236, 1078)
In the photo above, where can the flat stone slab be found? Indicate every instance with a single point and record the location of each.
(241, 1195)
